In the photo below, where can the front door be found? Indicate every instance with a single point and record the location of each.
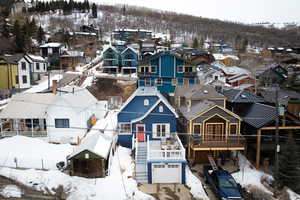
(214, 132)
(140, 129)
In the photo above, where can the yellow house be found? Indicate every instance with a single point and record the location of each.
(9, 75)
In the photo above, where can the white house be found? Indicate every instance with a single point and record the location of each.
(24, 72)
(62, 116)
(38, 65)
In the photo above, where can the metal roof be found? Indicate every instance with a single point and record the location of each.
(193, 111)
(257, 114)
(197, 91)
(241, 96)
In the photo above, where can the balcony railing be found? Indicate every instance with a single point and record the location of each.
(217, 141)
(144, 74)
(166, 151)
(24, 133)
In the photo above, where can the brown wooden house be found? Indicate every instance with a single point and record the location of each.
(91, 158)
(70, 59)
(211, 127)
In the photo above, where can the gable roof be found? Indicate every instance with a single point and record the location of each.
(27, 105)
(257, 114)
(51, 45)
(284, 95)
(241, 96)
(196, 109)
(129, 48)
(149, 91)
(96, 143)
(35, 58)
(12, 59)
(197, 91)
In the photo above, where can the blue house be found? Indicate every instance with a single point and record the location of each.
(147, 124)
(165, 70)
(119, 59)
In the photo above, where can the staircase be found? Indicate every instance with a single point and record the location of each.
(141, 163)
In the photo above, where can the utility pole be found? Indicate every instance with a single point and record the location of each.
(277, 148)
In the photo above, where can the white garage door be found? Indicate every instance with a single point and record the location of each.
(166, 173)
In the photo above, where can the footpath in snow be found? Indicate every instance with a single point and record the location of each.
(43, 85)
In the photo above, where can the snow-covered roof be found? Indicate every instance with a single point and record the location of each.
(36, 58)
(132, 30)
(131, 49)
(51, 45)
(72, 54)
(231, 70)
(238, 78)
(27, 105)
(84, 33)
(219, 56)
(96, 143)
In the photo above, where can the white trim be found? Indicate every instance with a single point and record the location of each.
(159, 66)
(152, 108)
(167, 130)
(174, 67)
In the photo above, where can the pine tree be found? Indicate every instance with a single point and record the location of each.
(195, 43)
(18, 37)
(289, 171)
(40, 35)
(94, 10)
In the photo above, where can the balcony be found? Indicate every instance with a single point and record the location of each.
(165, 149)
(217, 142)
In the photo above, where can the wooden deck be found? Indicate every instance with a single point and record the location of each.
(198, 143)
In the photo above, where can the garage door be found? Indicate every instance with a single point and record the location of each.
(166, 173)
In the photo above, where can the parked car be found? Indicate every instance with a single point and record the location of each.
(222, 183)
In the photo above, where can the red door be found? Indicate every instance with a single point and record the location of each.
(141, 132)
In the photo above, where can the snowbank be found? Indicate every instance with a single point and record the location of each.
(9, 191)
(25, 152)
(118, 186)
(248, 175)
(195, 184)
(293, 195)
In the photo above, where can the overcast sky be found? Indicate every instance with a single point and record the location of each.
(247, 11)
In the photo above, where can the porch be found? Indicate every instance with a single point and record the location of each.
(217, 142)
(24, 127)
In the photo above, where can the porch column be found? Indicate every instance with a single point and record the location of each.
(17, 126)
(258, 145)
(31, 128)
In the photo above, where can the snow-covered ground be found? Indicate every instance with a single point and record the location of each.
(195, 184)
(293, 195)
(248, 175)
(118, 186)
(25, 152)
(11, 191)
(44, 85)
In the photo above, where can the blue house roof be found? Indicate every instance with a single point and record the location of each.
(134, 109)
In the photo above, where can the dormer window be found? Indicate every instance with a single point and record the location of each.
(161, 109)
(146, 102)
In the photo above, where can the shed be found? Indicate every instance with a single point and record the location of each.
(90, 158)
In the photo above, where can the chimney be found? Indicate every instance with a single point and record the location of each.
(54, 86)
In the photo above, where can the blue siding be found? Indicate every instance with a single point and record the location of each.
(125, 141)
(156, 117)
(149, 167)
(134, 57)
(136, 108)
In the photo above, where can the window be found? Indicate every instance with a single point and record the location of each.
(24, 79)
(62, 123)
(17, 79)
(37, 66)
(160, 130)
(153, 69)
(216, 78)
(180, 69)
(146, 102)
(23, 65)
(233, 129)
(159, 81)
(173, 166)
(161, 109)
(174, 81)
(197, 129)
(125, 128)
(145, 69)
(188, 69)
(147, 82)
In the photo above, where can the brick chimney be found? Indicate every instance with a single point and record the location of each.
(54, 87)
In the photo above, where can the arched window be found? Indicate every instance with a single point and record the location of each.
(146, 102)
(161, 109)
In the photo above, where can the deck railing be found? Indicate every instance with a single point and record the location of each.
(24, 133)
(220, 141)
(175, 153)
